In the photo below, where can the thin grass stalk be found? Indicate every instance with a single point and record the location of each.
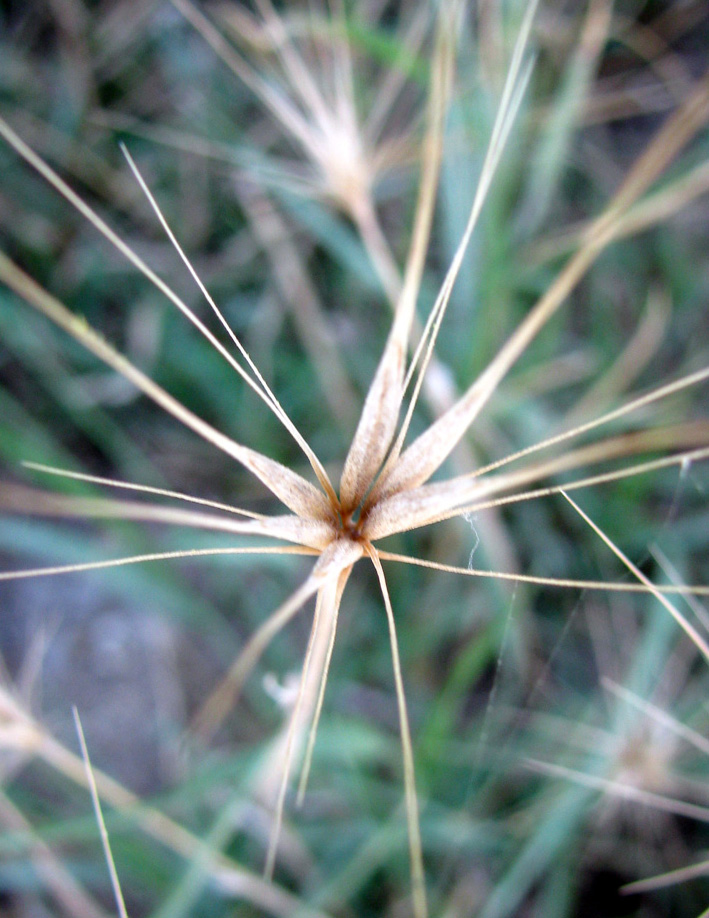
(70, 898)
(263, 387)
(699, 642)
(312, 734)
(105, 843)
(418, 880)
(297, 493)
(429, 451)
(84, 566)
(606, 586)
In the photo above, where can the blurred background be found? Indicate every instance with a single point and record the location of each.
(560, 735)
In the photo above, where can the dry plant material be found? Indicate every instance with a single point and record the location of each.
(384, 488)
(95, 800)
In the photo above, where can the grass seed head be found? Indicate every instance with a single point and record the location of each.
(307, 82)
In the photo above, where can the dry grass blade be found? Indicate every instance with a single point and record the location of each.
(342, 66)
(91, 781)
(299, 293)
(626, 791)
(418, 880)
(562, 583)
(84, 566)
(670, 571)
(673, 137)
(441, 85)
(395, 78)
(224, 697)
(70, 898)
(431, 503)
(380, 413)
(325, 595)
(663, 204)
(650, 211)
(31, 739)
(308, 756)
(297, 494)
(689, 629)
(336, 557)
(429, 451)
(513, 92)
(263, 389)
(280, 107)
(143, 489)
(684, 460)
(658, 715)
(637, 354)
(17, 499)
(258, 385)
(293, 65)
(303, 708)
(692, 379)
(681, 875)
(690, 433)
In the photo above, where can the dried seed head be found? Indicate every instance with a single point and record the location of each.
(375, 430)
(298, 494)
(312, 533)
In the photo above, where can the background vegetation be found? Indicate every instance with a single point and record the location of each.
(499, 677)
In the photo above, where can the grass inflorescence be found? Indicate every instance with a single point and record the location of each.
(380, 359)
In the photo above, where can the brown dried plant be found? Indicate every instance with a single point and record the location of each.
(385, 486)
